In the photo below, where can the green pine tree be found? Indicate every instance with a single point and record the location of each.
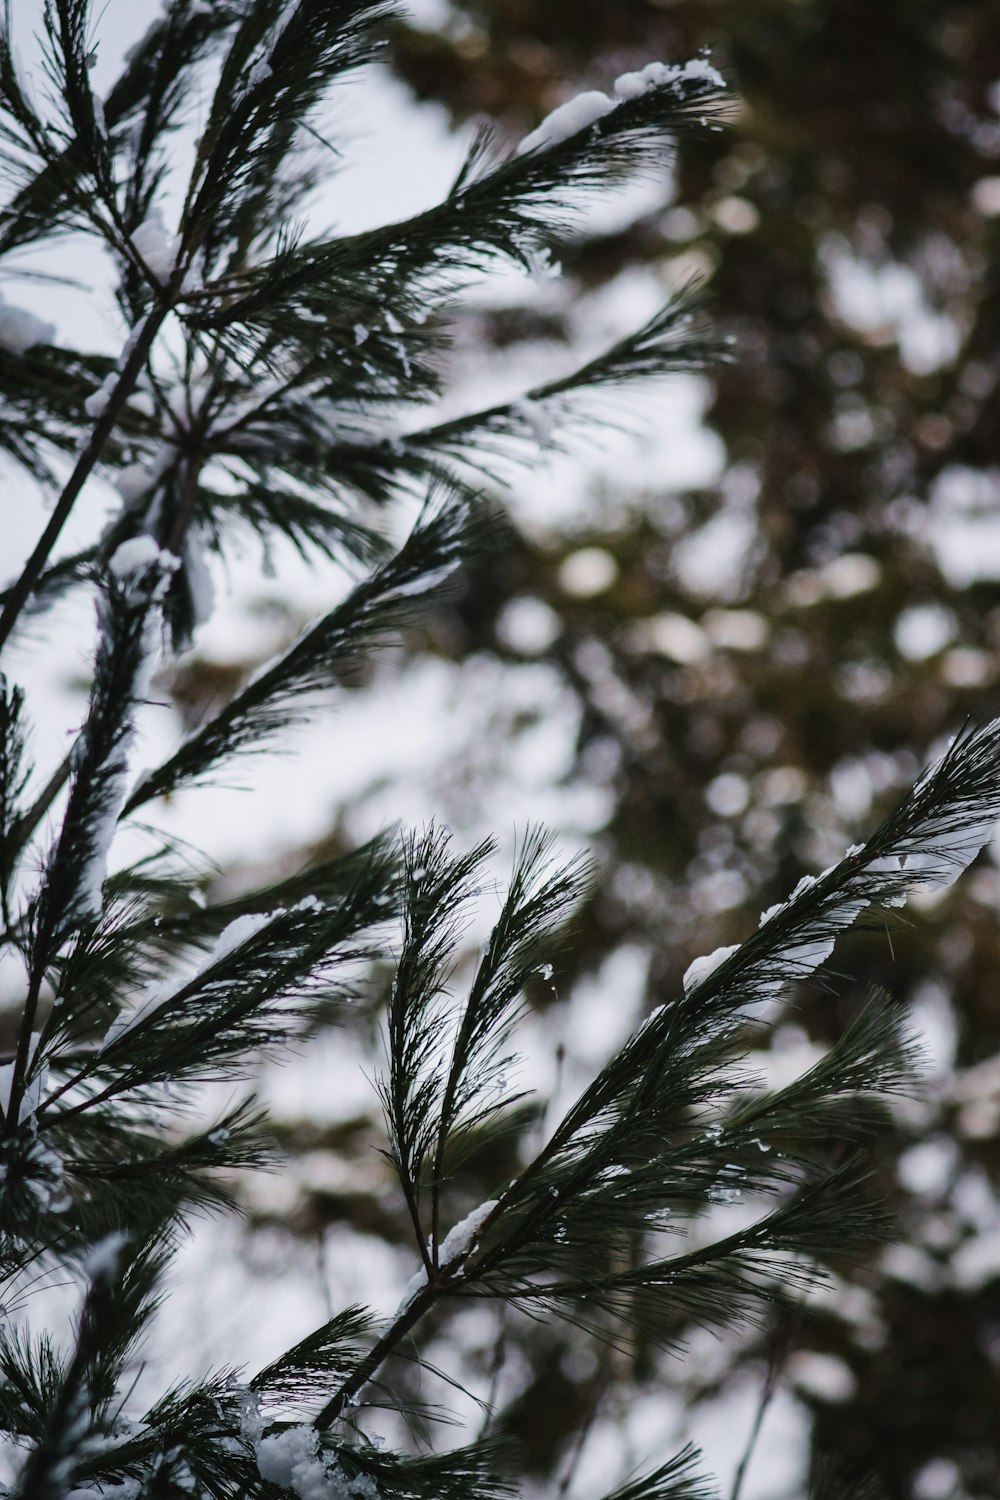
(295, 352)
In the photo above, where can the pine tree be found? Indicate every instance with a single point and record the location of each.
(261, 368)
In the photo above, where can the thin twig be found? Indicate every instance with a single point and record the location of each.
(776, 1359)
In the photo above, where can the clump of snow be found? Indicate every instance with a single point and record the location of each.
(134, 557)
(141, 570)
(939, 853)
(567, 120)
(156, 245)
(88, 899)
(104, 1258)
(96, 403)
(294, 1459)
(21, 330)
(809, 952)
(412, 1289)
(427, 582)
(239, 931)
(454, 1249)
(537, 418)
(700, 968)
(587, 108)
(541, 266)
(251, 1421)
(460, 1240)
(134, 481)
(258, 74)
(656, 75)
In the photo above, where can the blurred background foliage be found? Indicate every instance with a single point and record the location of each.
(759, 666)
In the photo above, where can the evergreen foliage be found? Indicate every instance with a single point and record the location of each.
(260, 375)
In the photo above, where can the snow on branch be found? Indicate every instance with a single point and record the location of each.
(127, 652)
(579, 113)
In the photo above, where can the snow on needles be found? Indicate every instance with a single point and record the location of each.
(139, 571)
(294, 1458)
(156, 246)
(20, 330)
(456, 1247)
(567, 120)
(586, 109)
(656, 75)
(130, 560)
(942, 839)
(233, 936)
(700, 968)
(459, 1240)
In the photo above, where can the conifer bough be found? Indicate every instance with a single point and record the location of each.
(271, 379)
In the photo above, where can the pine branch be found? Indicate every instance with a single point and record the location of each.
(675, 1480)
(521, 943)
(272, 698)
(332, 1353)
(330, 880)
(118, 1303)
(134, 358)
(67, 61)
(280, 61)
(239, 1000)
(436, 888)
(117, 1169)
(71, 890)
(14, 774)
(931, 837)
(673, 340)
(298, 352)
(505, 209)
(267, 509)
